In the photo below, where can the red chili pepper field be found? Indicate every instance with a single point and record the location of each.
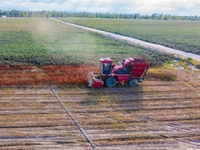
(31, 75)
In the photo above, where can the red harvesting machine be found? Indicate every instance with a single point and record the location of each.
(131, 71)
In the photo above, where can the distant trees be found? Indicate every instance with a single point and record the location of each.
(48, 14)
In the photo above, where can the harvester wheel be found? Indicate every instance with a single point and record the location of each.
(132, 82)
(110, 82)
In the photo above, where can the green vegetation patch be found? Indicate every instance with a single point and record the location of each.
(181, 35)
(37, 41)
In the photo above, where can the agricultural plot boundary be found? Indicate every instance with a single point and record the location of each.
(139, 43)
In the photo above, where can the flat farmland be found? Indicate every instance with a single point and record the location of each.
(153, 115)
(180, 35)
(28, 41)
(42, 51)
(43, 67)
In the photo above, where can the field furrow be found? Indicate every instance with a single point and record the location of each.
(165, 115)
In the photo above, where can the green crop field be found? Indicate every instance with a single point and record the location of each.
(38, 42)
(181, 35)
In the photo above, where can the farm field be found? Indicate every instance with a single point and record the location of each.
(41, 51)
(153, 115)
(180, 35)
(37, 54)
(35, 41)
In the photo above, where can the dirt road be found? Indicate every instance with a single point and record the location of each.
(139, 43)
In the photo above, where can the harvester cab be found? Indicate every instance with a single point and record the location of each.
(131, 71)
(105, 66)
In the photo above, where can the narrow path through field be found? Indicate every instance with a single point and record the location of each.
(139, 43)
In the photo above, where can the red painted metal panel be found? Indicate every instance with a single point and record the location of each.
(123, 78)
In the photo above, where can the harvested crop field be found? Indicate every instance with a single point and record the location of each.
(153, 115)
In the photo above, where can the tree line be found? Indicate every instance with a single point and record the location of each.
(48, 14)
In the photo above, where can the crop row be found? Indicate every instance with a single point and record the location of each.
(31, 75)
(57, 74)
(76, 74)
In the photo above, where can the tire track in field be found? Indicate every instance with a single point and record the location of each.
(74, 119)
(136, 42)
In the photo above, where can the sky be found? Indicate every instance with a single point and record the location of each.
(144, 7)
